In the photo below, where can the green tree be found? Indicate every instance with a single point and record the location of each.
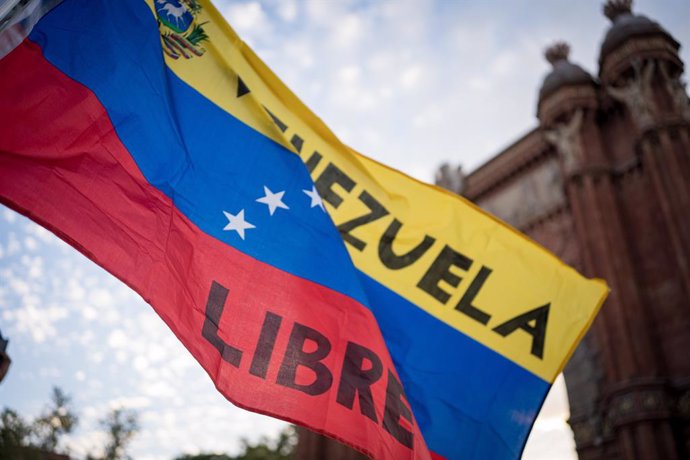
(281, 448)
(57, 420)
(205, 456)
(45, 432)
(122, 425)
(14, 430)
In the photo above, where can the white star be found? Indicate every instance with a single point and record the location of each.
(237, 223)
(315, 198)
(273, 200)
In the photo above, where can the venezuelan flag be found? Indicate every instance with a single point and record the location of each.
(311, 283)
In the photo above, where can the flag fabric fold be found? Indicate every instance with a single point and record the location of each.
(311, 283)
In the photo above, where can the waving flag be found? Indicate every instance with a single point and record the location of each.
(311, 283)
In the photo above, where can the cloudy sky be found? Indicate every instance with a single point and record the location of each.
(411, 83)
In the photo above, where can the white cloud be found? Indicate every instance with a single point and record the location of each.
(33, 265)
(287, 9)
(300, 53)
(9, 215)
(38, 322)
(49, 372)
(411, 77)
(140, 363)
(89, 313)
(40, 233)
(95, 357)
(249, 20)
(349, 75)
(101, 298)
(30, 243)
(117, 339)
(347, 31)
(84, 337)
(130, 402)
(159, 389)
(13, 244)
(18, 286)
(75, 290)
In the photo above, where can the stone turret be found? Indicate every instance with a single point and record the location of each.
(567, 101)
(564, 72)
(632, 37)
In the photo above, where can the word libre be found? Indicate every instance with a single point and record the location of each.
(307, 349)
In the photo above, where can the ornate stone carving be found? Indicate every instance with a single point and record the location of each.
(566, 138)
(644, 403)
(587, 431)
(618, 61)
(676, 88)
(614, 8)
(450, 178)
(537, 194)
(637, 95)
(566, 100)
(559, 51)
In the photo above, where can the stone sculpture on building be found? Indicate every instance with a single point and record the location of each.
(450, 178)
(637, 95)
(677, 90)
(566, 138)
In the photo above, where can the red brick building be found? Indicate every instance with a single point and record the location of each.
(604, 182)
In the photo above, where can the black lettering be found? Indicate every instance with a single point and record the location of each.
(265, 345)
(242, 87)
(440, 271)
(295, 356)
(214, 310)
(394, 409)
(297, 142)
(313, 161)
(377, 211)
(540, 316)
(279, 123)
(465, 304)
(354, 379)
(333, 175)
(394, 261)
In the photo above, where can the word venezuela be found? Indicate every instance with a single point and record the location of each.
(440, 276)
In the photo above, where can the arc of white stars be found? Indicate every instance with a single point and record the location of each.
(237, 223)
(315, 198)
(273, 200)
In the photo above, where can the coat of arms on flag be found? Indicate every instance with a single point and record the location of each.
(181, 34)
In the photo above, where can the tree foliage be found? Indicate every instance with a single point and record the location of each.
(121, 426)
(281, 448)
(30, 438)
(33, 438)
(45, 432)
(14, 430)
(57, 420)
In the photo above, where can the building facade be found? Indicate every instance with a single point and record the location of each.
(604, 183)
